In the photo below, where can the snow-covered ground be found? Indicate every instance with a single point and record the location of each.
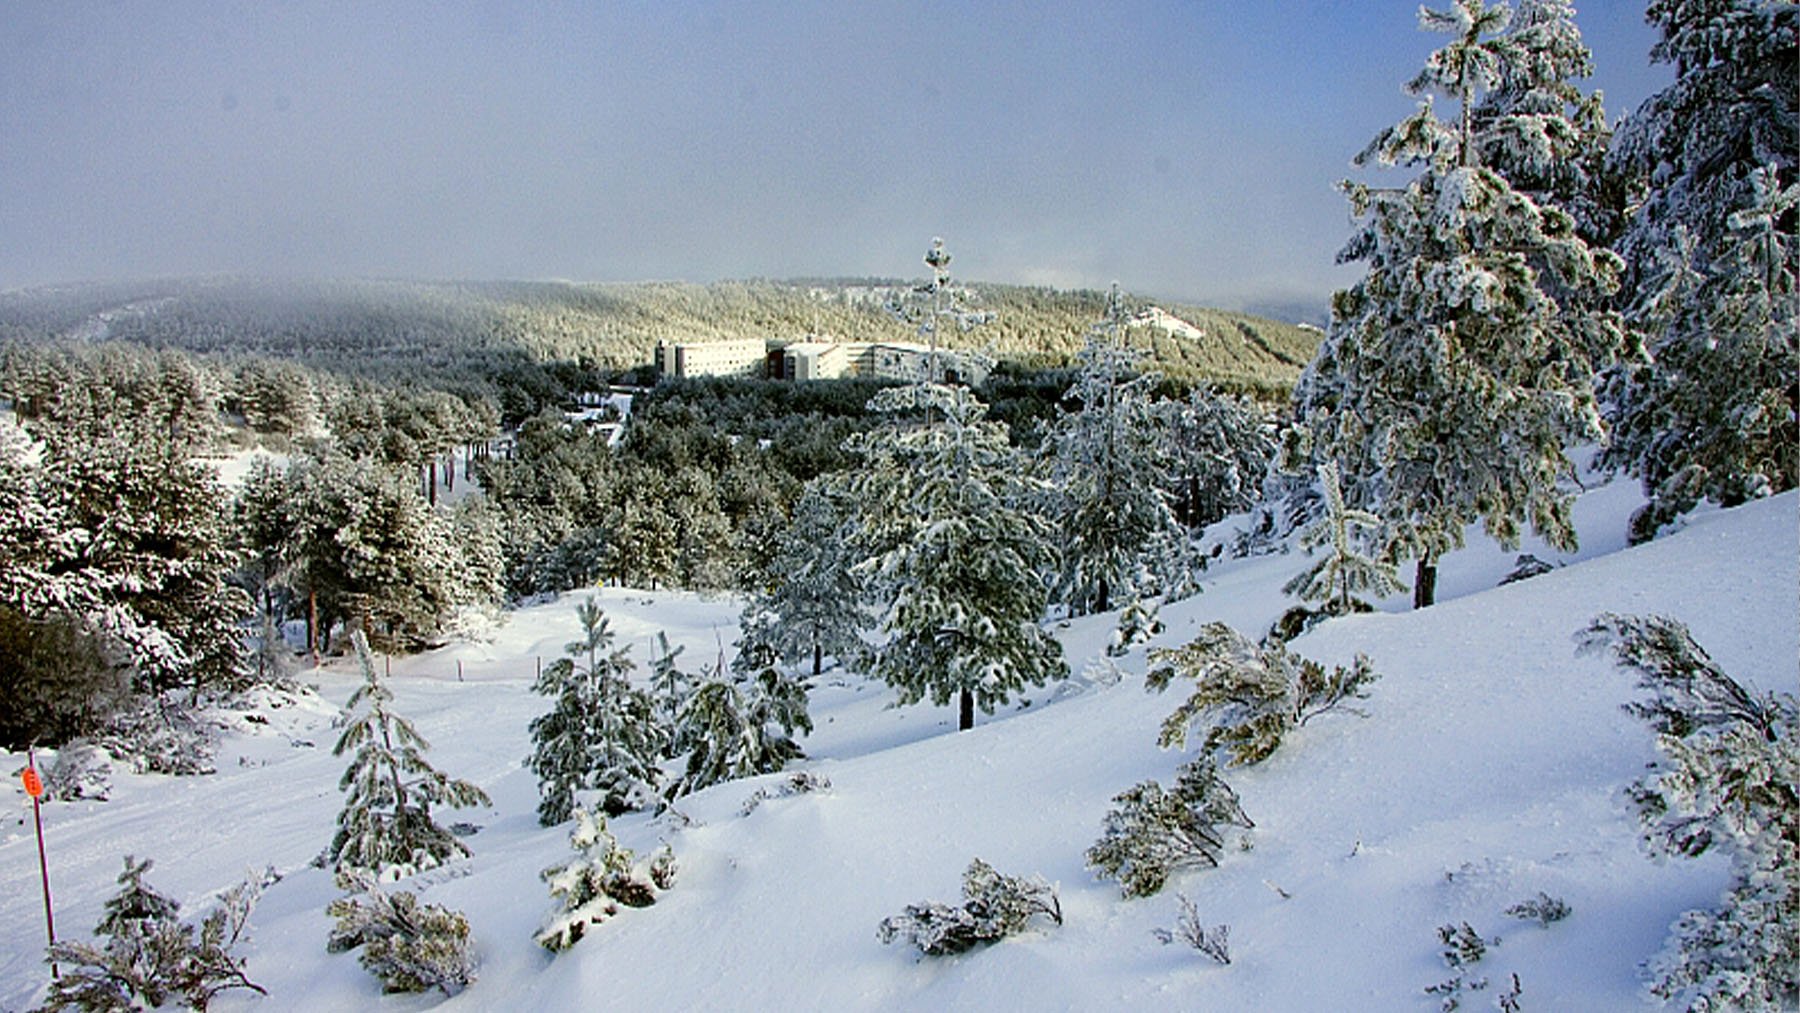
(1489, 767)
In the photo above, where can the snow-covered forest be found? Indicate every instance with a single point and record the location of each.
(1454, 668)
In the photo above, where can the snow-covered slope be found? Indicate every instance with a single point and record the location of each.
(1488, 768)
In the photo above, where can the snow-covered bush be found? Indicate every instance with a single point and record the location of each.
(1462, 948)
(1150, 833)
(1729, 777)
(81, 770)
(150, 957)
(385, 826)
(800, 782)
(1137, 623)
(1249, 697)
(161, 734)
(411, 947)
(1214, 942)
(601, 877)
(994, 906)
(1542, 909)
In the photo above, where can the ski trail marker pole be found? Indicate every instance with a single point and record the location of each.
(34, 786)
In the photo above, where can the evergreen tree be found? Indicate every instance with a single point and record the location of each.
(1345, 570)
(1222, 448)
(669, 686)
(1728, 780)
(994, 906)
(1249, 697)
(1713, 157)
(811, 602)
(411, 947)
(602, 876)
(954, 548)
(1150, 833)
(150, 957)
(741, 727)
(1460, 367)
(601, 732)
(1109, 474)
(385, 826)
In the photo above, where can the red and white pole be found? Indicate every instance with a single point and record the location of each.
(34, 786)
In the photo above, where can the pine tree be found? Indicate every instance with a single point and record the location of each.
(994, 906)
(1728, 780)
(1222, 449)
(1150, 833)
(385, 826)
(601, 877)
(411, 947)
(669, 685)
(1712, 414)
(741, 727)
(601, 733)
(150, 957)
(1461, 366)
(952, 545)
(1346, 570)
(1108, 464)
(811, 602)
(1248, 698)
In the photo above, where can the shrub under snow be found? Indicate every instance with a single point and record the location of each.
(994, 906)
(1249, 697)
(150, 957)
(1150, 832)
(598, 880)
(411, 947)
(1729, 777)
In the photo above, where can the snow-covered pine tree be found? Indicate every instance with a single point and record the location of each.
(669, 685)
(952, 544)
(1150, 833)
(1108, 464)
(1713, 262)
(811, 602)
(1729, 778)
(994, 906)
(1249, 697)
(411, 947)
(1461, 366)
(741, 727)
(1138, 622)
(150, 956)
(385, 827)
(1222, 449)
(601, 732)
(602, 876)
(1346, 570)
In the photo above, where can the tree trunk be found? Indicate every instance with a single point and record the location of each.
(966, 709)
(818, 660)
(1425, 583)
(312, 624)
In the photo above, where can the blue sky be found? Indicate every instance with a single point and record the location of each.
(1183, 149)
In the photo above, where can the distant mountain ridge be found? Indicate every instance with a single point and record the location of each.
(406, 326)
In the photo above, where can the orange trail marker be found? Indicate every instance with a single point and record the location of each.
(34, 786)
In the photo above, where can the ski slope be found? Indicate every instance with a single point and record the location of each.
(1489, 766)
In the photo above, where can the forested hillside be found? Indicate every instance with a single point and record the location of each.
(400, 328)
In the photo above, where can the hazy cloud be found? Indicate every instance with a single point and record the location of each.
(1182, 148)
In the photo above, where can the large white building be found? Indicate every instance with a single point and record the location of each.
(743, 357)
(815, 359)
